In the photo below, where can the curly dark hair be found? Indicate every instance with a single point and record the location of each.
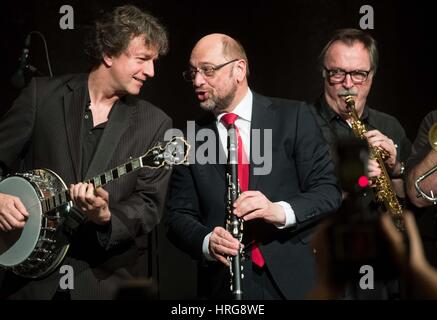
(112, 33)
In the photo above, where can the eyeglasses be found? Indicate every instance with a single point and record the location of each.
(207, 71)
(338, 75)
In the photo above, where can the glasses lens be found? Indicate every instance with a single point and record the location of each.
(337, 76)
(358, 76)
(208, 70)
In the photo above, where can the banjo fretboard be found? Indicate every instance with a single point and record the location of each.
(63, 197)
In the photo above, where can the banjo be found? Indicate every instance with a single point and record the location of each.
(37, 249)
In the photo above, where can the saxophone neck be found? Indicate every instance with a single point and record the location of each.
(358, 127)
(350, 101)
(350, 107)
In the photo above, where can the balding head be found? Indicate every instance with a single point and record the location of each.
(218, 71)
(221, 45)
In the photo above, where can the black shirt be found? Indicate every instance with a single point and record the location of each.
(90, 138)
(335, 129)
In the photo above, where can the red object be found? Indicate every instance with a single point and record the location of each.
(243, 177)
(363, 182)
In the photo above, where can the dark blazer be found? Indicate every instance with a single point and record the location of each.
(302, 175)
(43, 129)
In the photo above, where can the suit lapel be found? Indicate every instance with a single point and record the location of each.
(74, 109)
(220, 155)
(262, 118)
(117, 125)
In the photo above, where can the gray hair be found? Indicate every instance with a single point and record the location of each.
(349, 37)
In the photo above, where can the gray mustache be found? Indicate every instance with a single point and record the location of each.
(345, 92)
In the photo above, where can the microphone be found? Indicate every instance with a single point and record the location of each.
(18, 80)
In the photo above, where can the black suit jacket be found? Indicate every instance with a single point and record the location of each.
(43, 129)
(302, 175)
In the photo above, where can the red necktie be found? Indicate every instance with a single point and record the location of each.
(243, 177)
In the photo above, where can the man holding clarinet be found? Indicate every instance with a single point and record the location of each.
(279, 207)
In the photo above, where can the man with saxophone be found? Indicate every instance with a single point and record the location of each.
(349, 62)
(279, 208)
(422, 182)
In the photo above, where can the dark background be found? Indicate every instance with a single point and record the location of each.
(282, 40)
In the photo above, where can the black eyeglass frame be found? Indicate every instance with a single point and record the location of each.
(329, 73)
(190, 74)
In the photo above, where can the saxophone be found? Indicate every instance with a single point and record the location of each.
(384, 192)
(234, 224)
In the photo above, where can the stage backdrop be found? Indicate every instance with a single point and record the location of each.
(282, 40)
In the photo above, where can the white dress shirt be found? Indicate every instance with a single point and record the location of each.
(244, 112)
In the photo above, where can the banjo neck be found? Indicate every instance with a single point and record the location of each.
(40, 248)
(63, 197)
(172, 153)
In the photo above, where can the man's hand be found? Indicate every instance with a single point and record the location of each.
(223, 244)
(13, 214)
(255, 205)
(377, 140)
(327, 286)
(411, 259)
(414, 256)
(93, 203)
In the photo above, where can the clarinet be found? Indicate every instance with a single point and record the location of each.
(234, 224)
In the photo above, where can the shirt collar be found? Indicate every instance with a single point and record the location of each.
(244, 109)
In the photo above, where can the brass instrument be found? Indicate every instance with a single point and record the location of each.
(383, 188)
(432, 139)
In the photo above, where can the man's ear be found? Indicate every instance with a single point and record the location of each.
(107, 60)
(241, 70)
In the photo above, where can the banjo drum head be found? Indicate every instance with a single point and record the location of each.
(16, 246)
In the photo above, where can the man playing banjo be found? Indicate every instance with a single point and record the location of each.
(79, 126)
